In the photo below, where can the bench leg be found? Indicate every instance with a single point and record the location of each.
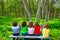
(41, 38)
(46, 39)
(17, 38)
(14, 38)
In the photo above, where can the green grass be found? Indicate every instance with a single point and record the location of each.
(6, 24)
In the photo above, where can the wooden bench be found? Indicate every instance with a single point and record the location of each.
(41, 37)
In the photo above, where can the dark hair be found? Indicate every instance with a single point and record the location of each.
(15, 24)
(24, 23)
(46, 26)
(30, 24)
(37, 24)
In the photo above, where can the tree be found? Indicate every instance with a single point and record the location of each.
(55, 8)
(38, 11)
(43, 9)
(29, 14)
(2, 7)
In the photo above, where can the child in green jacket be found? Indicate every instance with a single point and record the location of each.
(24, 29)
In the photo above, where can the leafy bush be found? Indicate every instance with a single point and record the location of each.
(54, 24)
(6, 23)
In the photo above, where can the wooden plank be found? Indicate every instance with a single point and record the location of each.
(27, 36)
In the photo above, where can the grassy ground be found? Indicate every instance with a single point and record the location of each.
(6, 24)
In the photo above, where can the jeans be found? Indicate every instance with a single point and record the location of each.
(37, 35)
(46, 39)
(30, 35)
(15, 34)
(24, 34)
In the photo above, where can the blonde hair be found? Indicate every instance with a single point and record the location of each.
(45, 26)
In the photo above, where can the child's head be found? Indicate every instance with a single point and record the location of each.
(46, 26)
(37, 24)
(15, 24)
(30, 24)
(24, 23)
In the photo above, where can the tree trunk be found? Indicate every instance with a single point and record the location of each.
(15, 11)
(47, 1)
(48, 10)
(32, 6)
(42, 10)
(59, 15)
(25, 7)
(38, 11)
(2, 7)
(55, 11)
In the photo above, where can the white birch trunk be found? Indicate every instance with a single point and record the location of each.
(47, 10)
(25, 7)
(38, 11)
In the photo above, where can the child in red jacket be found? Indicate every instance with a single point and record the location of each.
(37, 30)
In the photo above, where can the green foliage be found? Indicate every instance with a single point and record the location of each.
(55, 34)
(55, 24)
(6, 24)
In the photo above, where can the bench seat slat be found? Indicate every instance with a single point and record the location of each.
(27, 36)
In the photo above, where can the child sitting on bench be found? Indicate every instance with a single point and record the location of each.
(37, 30)
(46, 31)
(15, 30)
(30, 30)
(24, 29)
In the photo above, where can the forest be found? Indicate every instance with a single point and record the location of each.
(41, 11)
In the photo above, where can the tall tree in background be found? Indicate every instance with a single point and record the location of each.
(46, 3)
(38, 11)
(43, 9)
(25, 7)
(29, 8)
(2, 7)
(55, 8)
(16, 10)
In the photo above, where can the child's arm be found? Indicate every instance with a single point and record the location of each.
(40, 29)
(19, 26)
(49, 31)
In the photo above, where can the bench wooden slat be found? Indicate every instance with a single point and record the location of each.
(27, 36)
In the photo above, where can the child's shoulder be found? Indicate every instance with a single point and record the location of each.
(15, 26)
(48, 29)
(44, 29)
